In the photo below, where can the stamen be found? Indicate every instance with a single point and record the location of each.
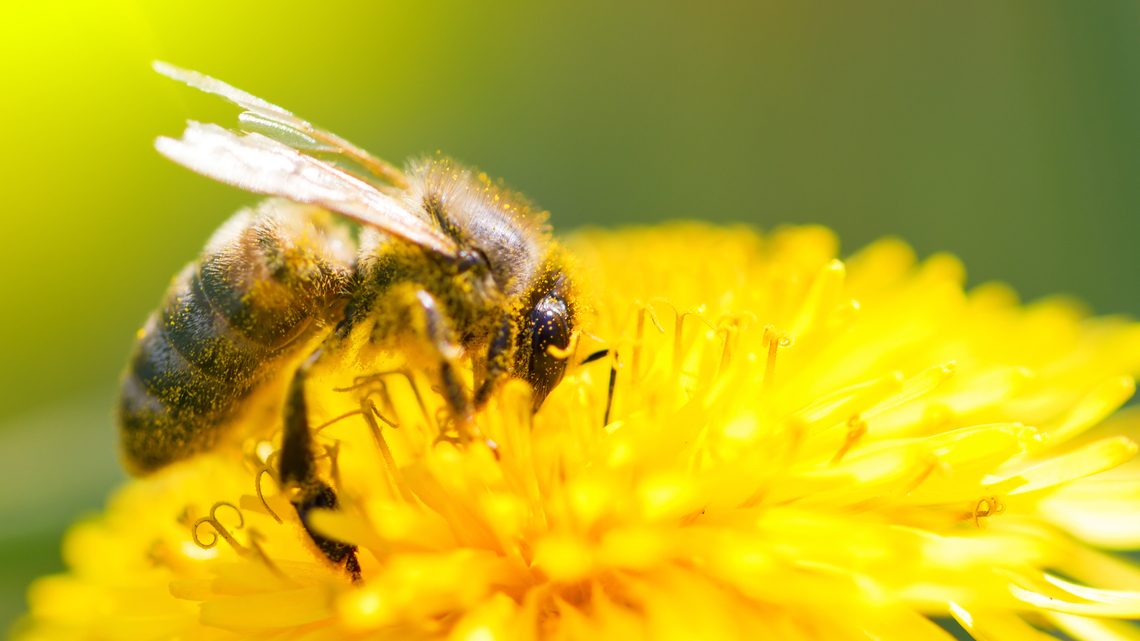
(221, 532)
(986, 507)
(731, 326)
(361, 381)
(219, 529)
(797, 433)
(255, 539)
(822, 298)
(730, 329)
(332, 453)
(370, 409)
(370, 413)
(773, 340)
(317, 429)
(378, 379)
(678, 338)
(856, 428)
(266, 469)
(653, 316)
(927, 470)
(678, 328)
(635, 362)
(678, 321)
(642, 311)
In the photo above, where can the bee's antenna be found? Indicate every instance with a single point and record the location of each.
(610, 391)
(594, 356)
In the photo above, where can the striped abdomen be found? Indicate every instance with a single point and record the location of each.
(270, 280)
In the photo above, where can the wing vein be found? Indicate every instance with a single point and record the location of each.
(262, 165)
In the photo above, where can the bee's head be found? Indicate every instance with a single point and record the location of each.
(499, 233)
(504, 245)
(545, 328)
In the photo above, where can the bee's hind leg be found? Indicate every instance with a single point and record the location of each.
(297, 468)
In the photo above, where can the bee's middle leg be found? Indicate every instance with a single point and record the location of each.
(298, 468)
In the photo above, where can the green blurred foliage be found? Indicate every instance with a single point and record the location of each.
(1007, 133)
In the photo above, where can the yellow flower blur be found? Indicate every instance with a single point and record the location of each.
(777, 445)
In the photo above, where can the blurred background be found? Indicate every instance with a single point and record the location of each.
(1008, 134)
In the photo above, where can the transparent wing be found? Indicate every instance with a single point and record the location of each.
(280, 124)
(260, 164)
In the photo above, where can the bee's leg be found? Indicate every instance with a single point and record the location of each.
(298, 468)
(500, 356)
(437, 337)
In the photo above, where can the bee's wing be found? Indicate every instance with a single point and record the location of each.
(262, 165)
(280, 124)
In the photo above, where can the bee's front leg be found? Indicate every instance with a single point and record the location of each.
(298, 468)
(500, 360)
(421, 316)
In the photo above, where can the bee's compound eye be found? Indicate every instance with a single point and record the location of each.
(549, 326)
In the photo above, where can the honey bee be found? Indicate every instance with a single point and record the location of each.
(440, 263)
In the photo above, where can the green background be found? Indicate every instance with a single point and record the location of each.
(1007, 133)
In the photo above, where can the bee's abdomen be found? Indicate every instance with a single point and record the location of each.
(269, 281)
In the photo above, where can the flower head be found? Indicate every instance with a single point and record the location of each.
(774, 444)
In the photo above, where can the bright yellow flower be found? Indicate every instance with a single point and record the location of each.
(795, 448)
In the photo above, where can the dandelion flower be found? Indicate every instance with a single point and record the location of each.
(777, 445)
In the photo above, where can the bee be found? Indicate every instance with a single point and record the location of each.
(441, 264)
